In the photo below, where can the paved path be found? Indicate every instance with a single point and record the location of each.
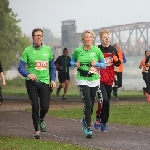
(119, 137)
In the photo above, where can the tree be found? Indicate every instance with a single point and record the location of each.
(12, 40)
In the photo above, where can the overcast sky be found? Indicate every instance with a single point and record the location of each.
(89, 14)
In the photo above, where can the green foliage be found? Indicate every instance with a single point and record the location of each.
(13, 143)
(12, 40)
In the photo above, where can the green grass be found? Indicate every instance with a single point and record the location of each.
(12, 143)
(10, 90)
(16, 87)
(136, 114)
(128, 113)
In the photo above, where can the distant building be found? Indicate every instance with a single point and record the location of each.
(68, 35)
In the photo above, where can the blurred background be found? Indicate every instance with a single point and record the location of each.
(63, 22)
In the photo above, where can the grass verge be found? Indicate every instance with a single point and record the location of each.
(129, 113)
(13, 143)
(72, 92)
(16, 87)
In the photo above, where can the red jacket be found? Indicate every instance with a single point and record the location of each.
(111, 59)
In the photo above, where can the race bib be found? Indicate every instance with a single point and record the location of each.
(116, 68)
(109, 61)
(93, 70)
(147, 68)
(41, 65)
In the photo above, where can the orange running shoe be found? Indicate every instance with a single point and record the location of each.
(148, 98)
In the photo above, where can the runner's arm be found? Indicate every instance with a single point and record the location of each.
(141, 64)
(147, 62)
(101, 64)
(124, 58)
(22, 70)
(52, 69)
(73, 63)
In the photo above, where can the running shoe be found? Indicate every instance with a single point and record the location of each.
(64, 98)
(145, 92)
(42, 126)
(104, 127)
(148, 98)
(97, 124)
(88, 132)
(83, 124)
(37, 135)
(58, 91)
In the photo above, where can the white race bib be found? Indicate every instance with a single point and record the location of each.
(41, 65)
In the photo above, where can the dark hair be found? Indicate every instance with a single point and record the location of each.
(35, 30)
(65, 49)
(145, 52)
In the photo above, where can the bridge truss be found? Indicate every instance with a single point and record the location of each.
(132, 38)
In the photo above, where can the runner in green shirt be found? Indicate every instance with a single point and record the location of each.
(87, 59)
(40, 68)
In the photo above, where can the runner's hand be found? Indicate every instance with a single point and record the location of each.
(4, 83)
(77, 64)
(32, 77)
(93, 63)
(53, 84)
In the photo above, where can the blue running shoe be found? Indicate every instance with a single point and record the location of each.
(88, 132)
(97, 124)
(83, 124)
(104, 127)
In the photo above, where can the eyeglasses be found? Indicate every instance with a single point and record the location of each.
(38, 35)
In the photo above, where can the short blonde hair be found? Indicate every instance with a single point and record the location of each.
(88, 31)
(103, 32)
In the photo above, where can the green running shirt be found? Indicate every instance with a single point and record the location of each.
(85, 57)
(37, 61)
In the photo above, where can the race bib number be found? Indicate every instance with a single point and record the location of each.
(109, 61)
(41, 65)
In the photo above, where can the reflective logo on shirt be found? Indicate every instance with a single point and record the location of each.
(92, 54)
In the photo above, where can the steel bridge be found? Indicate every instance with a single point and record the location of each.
(132, 38)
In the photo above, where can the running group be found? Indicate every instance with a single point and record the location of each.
(99, 73)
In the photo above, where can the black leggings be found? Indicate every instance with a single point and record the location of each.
(146, 79)
(119, 83)
(119, 78)
(88, 96)
(42, 91)
(103, 103)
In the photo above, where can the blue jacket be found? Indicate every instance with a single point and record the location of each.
(64, 62)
